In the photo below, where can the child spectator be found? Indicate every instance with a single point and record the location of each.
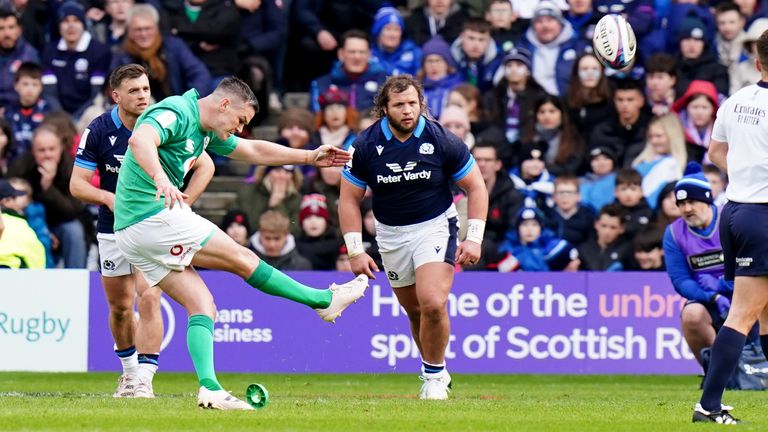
(319, 241)
(664, 156)
(397, 54)
(34, 213)
(660, 80)
(531, 247)
(629, 195)
(438, 74)
(235, 224)
(342, 260)
(589, 95)
(28, 112)
(336, 120)
(476, 53)
(597, 186)
(564, 147)
(532, 179)
(608, 250)
(718, 183)
(326, 182)
(569, 219)
(697, 109)
(467, 97)
(506, 26)
(648, 250)
(275, 245)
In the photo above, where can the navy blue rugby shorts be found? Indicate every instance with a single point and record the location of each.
(744, 237)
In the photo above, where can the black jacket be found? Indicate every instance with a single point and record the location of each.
(417, 26)
(615, 257)
(626, 142)
(503, 202)
(637, 218)
(576, 229)
(704, 68)
(320, 251)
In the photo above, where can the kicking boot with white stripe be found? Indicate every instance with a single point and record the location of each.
(343, 296)
(143, 388)
(436, 386)
(126, 386)
(700, 415)
(220, 399)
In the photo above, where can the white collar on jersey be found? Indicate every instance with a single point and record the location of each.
(416, 132)
(82, 44)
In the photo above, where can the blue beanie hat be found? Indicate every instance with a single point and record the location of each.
(72, 8)
(529, 213)
(386, 15)
(693, 186)
(558, 253)
(437, 45)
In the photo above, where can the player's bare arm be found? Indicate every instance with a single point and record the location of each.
(268, 153)
(477, 210)
(144, 143)
(81, 188)
(718, 152)
(202, 173)
(351, 227)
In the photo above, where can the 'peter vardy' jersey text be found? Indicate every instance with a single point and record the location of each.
(410, 180)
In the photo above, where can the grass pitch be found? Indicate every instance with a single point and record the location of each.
(82, 402)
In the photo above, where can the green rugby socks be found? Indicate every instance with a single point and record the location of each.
(200, 345)
(274, 282)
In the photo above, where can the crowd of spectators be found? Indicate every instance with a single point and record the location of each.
(580, 161)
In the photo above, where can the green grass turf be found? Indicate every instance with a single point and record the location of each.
(36, 401)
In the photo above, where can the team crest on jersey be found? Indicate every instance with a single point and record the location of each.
(81, 65)
(112, 140)
(426, 149)
(395, 167)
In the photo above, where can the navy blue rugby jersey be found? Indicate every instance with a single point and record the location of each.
(102, 147)
(410, 180)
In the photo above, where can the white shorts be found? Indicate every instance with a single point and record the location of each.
(113, 262)
(405, 248)
(164, 242)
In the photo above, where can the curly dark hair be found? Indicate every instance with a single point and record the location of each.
(396, 84)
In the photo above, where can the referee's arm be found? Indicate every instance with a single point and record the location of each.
(718, 152)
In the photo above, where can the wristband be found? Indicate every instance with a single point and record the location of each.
(475, 230)
(354, 242)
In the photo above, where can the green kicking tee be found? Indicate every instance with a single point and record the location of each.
(177, 121)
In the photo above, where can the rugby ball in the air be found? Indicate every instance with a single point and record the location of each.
(614, 42)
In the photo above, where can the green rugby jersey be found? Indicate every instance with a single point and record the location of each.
(177, 120)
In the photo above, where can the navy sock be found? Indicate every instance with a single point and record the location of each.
(725, 357)
(432, 369)
(764, 344)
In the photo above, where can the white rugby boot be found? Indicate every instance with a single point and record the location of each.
(126, 386)
(436, 386)
(343, 296)
(220, 399)
(143, 388)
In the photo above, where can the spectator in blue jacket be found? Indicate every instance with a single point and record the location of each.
(550, 39)
(438, 74)
(477, 54)
(597, 186)
(14, 51)
(75, 66)
(396, 53)
(694, 259)
(354, 73)
(172, 67)
(531, 247)
(639, 13)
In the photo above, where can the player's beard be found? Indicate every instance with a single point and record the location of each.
(399, 126)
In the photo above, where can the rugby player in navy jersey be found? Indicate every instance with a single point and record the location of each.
(102, 148)
(409, 161)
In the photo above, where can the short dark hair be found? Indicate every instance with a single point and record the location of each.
(728, 6)
(486, 144)
(613, 210)
(761, 46)
(493, 2)
(30, 70)
(234, 86)
(353, 34)
(6, 12)
(477, 25)
(628, 84)
(628, 176)
(661, 63)
(125, 72)
(648, 239)
(396, 84)
(713, 169)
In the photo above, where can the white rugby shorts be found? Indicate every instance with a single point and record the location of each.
(164, 242)
(405, 248)
(113, 262)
